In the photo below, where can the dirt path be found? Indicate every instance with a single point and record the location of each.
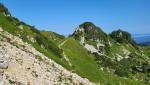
(62, 43)
(64, 55)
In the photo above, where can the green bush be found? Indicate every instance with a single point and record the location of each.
(41, 40)
(122, 72)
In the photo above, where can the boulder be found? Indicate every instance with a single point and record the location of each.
(20, 27)
(1, 30)
(1, 74)
(3, 63)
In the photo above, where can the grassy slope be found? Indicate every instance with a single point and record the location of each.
(81, 60)
(85, 65)
(146, 50)
(7, 25)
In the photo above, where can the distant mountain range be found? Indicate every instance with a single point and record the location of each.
(142, 38)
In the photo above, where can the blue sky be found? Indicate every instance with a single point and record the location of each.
(63, 16)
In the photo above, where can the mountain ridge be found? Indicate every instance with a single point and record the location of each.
(89, 52)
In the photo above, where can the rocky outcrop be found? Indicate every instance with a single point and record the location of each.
(21, 64)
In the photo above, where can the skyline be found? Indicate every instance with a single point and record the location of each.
(65, 15)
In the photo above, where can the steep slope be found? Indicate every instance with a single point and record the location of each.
(32, 36)
(21, 64)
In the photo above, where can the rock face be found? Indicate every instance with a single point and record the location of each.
(88, 32)
(21, 64)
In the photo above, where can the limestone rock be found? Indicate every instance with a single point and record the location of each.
(3, 63)
(1, 30)
(20, 27)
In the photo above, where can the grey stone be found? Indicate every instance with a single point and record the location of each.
(3, 63)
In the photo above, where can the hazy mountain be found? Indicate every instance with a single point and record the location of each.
(142, 38)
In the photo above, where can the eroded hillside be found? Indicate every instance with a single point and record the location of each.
(21, 64)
